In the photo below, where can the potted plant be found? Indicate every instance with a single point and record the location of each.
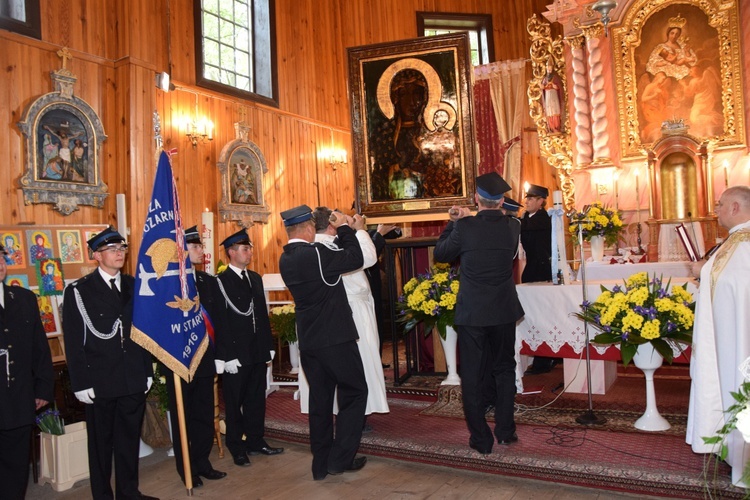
(283, 323)
(600, 225)
(430, 299)
(649, 320)
(64, 456)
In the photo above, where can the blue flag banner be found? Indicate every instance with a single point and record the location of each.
(168, 319)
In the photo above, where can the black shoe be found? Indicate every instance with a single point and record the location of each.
(266, 450)
(533, 370)
(213, 474)
(241, 460)
(479, 449)
(320, 477)
(507, 441)
(367, 429)
(146, 497)
(357, 464)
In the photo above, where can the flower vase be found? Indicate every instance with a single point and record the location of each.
(597, 248)
(648, 360)
(294, 356)
(449, 348)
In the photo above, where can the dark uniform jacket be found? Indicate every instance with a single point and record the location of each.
(486, 244)
(536, 238)
(245, 338)
(28, 359)
(324, 317)
(116, 366)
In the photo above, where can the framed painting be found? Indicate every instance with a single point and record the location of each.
(63, 136)
(15, 254)
(679, 67)
(40, 244)
(69, 246)
(49, 312)
(242, 166)
(49, 276)
(412, 127)
(21, 280)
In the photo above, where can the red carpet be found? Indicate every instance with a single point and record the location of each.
(637, 462)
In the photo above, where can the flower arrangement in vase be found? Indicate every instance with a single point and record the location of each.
(49, 421)
(158, 392)
(283, 323)
(430, 299)
(598, 221)
(643, 310)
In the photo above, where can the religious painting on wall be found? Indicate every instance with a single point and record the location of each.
(40, 244)
(49, 312)
(63, 136)
(69, 246)
(242, 166)
(681, 62)
(412, 128)
(17, 280)
(49, 276)
(14, 249)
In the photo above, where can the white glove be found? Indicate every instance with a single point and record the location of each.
(219, 366)
(86, 396)
(231, 366)
(149, 383)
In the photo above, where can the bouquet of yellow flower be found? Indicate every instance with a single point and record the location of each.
(430, 299)
(642, 311)
(49, 421)
(599, 221)
(283, 323)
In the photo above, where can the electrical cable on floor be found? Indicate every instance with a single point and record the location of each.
(522, 409)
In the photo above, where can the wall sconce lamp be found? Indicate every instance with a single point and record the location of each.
(333, 156)
(200, 131)
(604, 7)
(163, 83)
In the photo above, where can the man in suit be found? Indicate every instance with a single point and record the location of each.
(379, 235)
(327, 338)
(109, 372)
(487, 307)
(536, 238)
(243, 349)
(198, 395)
(26, 383)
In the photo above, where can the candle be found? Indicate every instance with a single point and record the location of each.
(557, 197)
(207, 236)
(637, 192)
(726, 175)
(617, 190)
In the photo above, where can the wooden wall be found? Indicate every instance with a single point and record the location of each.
(118, 46)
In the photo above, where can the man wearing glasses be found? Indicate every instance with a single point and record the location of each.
(108, 371)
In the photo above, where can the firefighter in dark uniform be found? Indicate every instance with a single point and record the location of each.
(243, 349)
(26, 381)
(536, 238)
(109, 372)
(487, 307)
(327, 338)
(198, 395)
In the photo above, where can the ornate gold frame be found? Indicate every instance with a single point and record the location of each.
(723, 15)
(555, 148)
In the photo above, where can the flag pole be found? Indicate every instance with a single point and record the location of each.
(183, 435)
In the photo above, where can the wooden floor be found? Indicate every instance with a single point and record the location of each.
(288, 476)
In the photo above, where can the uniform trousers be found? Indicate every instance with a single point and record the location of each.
(479, 345)
(14, 462)
(245, 408)
(198, 402)
(113, 426)
(330, 369)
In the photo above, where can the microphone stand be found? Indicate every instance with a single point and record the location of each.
(587, 418)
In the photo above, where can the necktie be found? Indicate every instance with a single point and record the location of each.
(246, 279)
(113, 284)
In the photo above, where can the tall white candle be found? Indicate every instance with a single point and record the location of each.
(637, 192)
(557, 197)
(207, 236)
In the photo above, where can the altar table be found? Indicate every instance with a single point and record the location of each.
(598, 271)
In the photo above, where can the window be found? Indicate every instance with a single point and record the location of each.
(21, 16)
(235, 48)
(479, 27)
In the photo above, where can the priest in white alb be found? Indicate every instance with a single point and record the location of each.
(721, 336)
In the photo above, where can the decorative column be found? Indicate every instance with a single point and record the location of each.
(593, 34)
(581, 108)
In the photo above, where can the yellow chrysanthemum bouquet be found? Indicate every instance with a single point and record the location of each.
(642, 311)
(283, 323)
(599, 221)
(430, 299)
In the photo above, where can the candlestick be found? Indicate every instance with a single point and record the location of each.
(637, 192)
(617, 191)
